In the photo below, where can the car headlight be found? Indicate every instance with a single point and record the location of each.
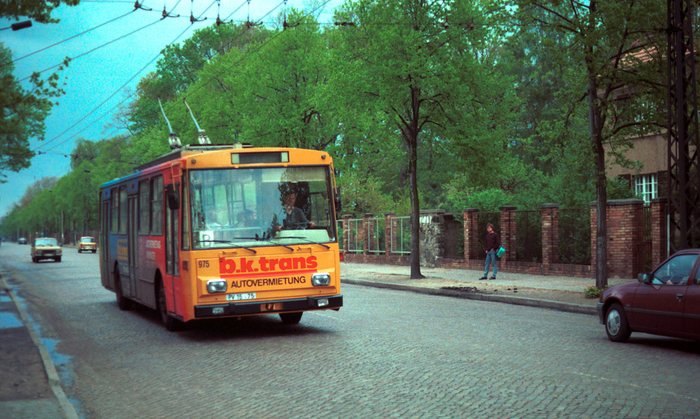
(320, 280)
(215, 286)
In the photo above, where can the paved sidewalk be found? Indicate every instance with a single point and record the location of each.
(555, 292)
(30, 386)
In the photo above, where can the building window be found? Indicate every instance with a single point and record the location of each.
(646, 187)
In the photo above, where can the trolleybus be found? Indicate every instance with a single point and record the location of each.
(213, 231)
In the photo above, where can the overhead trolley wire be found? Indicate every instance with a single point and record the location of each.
(54, 146)
(110, 97)
(74, 36)
(93, 49)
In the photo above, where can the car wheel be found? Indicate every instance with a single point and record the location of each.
(94, 251)
(58, 259)
(35, 260)
(80, 251)
(291, 318)
(616, 325)
(122, 302)
(171, 323)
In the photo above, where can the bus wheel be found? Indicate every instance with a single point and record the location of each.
(171, 323)
(291, 318)
(122, 302)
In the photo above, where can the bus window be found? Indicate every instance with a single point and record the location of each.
(244, 207)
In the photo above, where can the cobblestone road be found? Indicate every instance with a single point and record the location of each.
(386, 353)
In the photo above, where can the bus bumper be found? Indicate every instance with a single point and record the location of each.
(333, 302)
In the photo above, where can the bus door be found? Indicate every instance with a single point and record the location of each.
(129, 286)
(104, 244)
(172, 232)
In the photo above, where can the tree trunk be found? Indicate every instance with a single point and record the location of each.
(596, 127)
(415, 208)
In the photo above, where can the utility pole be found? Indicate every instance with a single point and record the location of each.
(683, 192)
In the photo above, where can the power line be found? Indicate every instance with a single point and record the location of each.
(252, 51)
(111, 96)
(74, 36)
(93, 49)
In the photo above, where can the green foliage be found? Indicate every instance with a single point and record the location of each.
(494, 113)
(593, 292)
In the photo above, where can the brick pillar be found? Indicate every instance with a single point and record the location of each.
(624, 222)
(471, 219)
(550, 235)
(659, 237)
(388, 219)
(508, 233)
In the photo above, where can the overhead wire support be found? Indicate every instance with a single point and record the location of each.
(138, 6)
(167, 14)
(192, 18)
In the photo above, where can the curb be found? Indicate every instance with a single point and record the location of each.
(523, 301)
(49, 367)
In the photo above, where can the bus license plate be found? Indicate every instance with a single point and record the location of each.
(239, 297)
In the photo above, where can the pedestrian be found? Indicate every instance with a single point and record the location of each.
(493, 242)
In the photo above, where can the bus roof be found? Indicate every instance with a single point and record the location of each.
(190, 149)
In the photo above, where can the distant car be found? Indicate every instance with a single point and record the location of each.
(665, 302)
(46, 248)
(87, 244)
(22, 240)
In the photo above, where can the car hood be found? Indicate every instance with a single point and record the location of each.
(622, 290)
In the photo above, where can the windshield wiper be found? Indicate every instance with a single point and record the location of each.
(228, 242)
(265, 239)
(306, 240)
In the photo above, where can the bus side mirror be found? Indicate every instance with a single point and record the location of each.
(173, 199)
(338, 201)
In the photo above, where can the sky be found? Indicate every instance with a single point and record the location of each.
(95, 82)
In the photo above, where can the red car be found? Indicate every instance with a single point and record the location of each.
(664, 302)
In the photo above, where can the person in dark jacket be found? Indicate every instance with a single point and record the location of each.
(493, 242)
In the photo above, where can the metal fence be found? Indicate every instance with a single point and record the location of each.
(575, 236)
(400, 233)
(528, 247)
(354, 237)
(376, 235)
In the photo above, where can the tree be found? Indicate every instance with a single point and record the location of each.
(603, 36)
(421, 70)
(24, 112)
(23, 115)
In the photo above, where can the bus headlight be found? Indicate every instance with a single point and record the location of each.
(320, 280)
(215, 286)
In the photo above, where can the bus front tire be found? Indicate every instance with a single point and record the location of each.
(171, 323)
(291, 318)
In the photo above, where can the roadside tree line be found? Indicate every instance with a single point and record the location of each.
(422, 104)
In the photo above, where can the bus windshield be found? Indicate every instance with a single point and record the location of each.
(260, 207)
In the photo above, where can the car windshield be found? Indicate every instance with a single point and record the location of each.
(46, 242)
(87, 240)
(260, 207)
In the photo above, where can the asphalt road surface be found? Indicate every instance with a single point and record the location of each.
(385, 353)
